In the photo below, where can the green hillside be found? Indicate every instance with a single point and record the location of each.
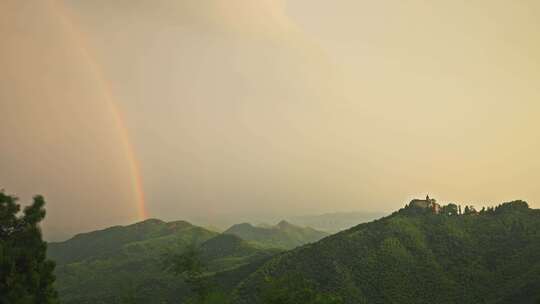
(124, 264)
(149, 235)
(283, 235)
(417, 256)
(226, 251)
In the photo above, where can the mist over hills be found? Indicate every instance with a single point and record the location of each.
(327, 222)
(334, 222)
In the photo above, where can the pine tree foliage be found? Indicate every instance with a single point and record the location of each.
(26, 276)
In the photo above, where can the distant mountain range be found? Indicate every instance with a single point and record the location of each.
(328, 222)
(283, 235)
(124, 263)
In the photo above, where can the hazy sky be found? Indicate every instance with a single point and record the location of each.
(250, 108)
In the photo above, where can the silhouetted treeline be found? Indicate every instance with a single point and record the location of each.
(26, 276)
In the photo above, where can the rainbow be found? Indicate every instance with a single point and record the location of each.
(135, 172)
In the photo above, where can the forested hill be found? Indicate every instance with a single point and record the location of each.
(122, 263)
(283, 235)
(125, 264)
(418, 256)
(148, 234)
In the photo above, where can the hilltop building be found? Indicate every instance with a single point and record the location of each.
(428, 203)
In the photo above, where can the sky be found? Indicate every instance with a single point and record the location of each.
(229, 110)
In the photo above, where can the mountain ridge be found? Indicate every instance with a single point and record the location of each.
(282, 235)
(125, 263)
(417, 256)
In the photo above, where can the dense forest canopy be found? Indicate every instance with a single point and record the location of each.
(418, 256)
